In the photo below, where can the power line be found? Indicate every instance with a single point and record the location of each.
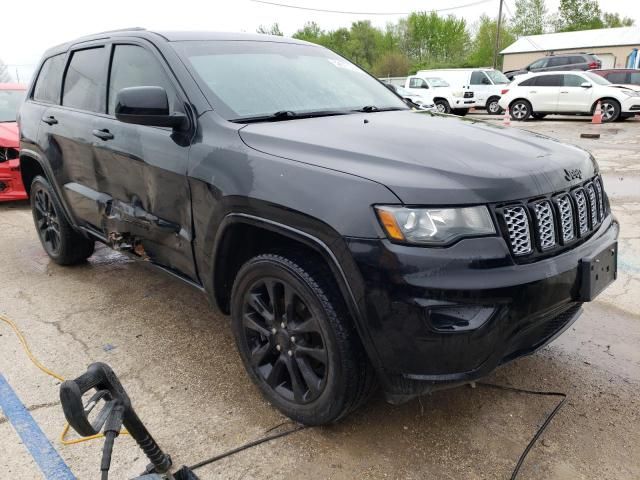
(298, 7)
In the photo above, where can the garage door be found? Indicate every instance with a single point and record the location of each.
(608, 60)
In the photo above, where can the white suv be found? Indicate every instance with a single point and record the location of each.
(446, 98)
(568, 93)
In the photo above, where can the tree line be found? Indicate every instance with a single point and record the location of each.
(429, 40)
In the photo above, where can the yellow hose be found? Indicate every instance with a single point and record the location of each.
(53, 374)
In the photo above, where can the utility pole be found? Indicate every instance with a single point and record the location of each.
(499, 24)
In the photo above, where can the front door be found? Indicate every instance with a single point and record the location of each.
(144, 168)
(573, 96)
(481, 87)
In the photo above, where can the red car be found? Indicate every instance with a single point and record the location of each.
(621, 76)
(11, 187)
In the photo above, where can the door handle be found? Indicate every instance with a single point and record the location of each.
(533, 91)
(50, 120)
(564, 91)
(103, 134)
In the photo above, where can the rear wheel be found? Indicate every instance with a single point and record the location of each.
(520, 110)
(297, 341)
(62, 243)
(461, 112)
(442, 105)
(493, 108)
(610, 110)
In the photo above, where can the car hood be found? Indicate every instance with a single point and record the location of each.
(9, 134)
(426, 158)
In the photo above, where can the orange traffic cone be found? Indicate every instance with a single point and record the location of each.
(597, 114)
(506, 121)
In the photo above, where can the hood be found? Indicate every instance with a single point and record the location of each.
(9, 135)
(626, 86)
(426, 158)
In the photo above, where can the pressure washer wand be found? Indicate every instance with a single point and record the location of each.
(116, 412)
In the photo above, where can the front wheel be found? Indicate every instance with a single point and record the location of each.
(610, 110)
(63, 244)
(520, 110)
(297, 341)
(442, 106)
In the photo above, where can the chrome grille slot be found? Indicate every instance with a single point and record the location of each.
(593, 204)
(600, 194)
(581, 203)
(545, 228)
(565, 208)
(518, 227)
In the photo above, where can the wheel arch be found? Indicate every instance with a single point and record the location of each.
(30, 168)
(595, 103)
(519, 99)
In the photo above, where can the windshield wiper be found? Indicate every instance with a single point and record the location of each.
(373, 108)
(289, 115)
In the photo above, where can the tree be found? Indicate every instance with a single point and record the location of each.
(578, 15)
(274, 29)
(531, 18)
(484, 41)
(5, 76)
(391, 64)
(613, 20)
(311, 32)
(432, 39)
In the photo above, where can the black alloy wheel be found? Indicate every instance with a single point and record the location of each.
(47, 221)
(285, 340)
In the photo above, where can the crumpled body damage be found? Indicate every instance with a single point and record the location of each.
(11, 187)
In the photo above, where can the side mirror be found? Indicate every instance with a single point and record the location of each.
(585, 85)
(528, 67)
(425, 85)
(146, 106)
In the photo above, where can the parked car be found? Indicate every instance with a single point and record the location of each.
(11, 188)
(485, 83)
(445, 98)
(424, 102)
(567, 93)
(629, 77)
(352, 240)
(554, 63)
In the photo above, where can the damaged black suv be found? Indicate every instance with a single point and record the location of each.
(353, 241)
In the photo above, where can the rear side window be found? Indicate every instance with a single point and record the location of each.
(574, 60)
(134, 66)
(573, 81)
(550, 81)
(47, 87)
(617, 77)
(530, 82)
(635, 78)
(558, 61)
(84, 83)
(538, 64)
(479, 78)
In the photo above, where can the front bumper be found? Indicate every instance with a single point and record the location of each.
(631, 105)
(415, 297)
(11, 187)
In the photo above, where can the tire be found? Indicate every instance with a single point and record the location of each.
(63, 244)
(538, 116)
(308, 337)
(493, 108)
(461, 112)
(442, 106)
(610, 110)
(520, 110)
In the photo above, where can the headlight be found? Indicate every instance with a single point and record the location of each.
(434, 226)
(631, 93)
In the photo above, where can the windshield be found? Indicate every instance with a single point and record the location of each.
(498, 78)
(245, 79)
(10, 101)
(595, 78)
(436, 82)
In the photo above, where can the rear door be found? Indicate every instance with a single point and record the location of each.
(66, 133)
(143, 168)
(573, 97)
(544, 94)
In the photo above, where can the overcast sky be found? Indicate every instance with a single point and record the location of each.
(31, 26)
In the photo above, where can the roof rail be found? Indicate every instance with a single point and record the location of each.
(134, 29)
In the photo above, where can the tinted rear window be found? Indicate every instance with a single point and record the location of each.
(558, 61)
(635, 78)
(550, 81)
(47, 87)
(574, 60)
(529, 82)
(84, 83)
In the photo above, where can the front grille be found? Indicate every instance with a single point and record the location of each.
(545, 229)
(468, 94)
(544, 226)
(518, 226)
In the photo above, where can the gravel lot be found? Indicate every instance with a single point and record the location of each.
(178, 361)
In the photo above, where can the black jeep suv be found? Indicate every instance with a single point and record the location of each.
(353, 241)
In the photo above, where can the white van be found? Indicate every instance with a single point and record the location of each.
(445, 98)
(486, 84)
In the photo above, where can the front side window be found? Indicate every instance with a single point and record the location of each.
(49, 80)
(573, 81)
(550, 81)
(134, 66)
(10, 101)
(84, 83)
(245, 79)
(417, 83)
(479, 78)
(538, 64)
(437, 82)
(498, 78)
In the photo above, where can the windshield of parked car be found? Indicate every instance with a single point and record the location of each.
(436, 82)
(251, 79)
(10, 101)
(498, 78)
(595, 78)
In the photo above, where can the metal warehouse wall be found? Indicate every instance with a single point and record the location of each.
(611, 56)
